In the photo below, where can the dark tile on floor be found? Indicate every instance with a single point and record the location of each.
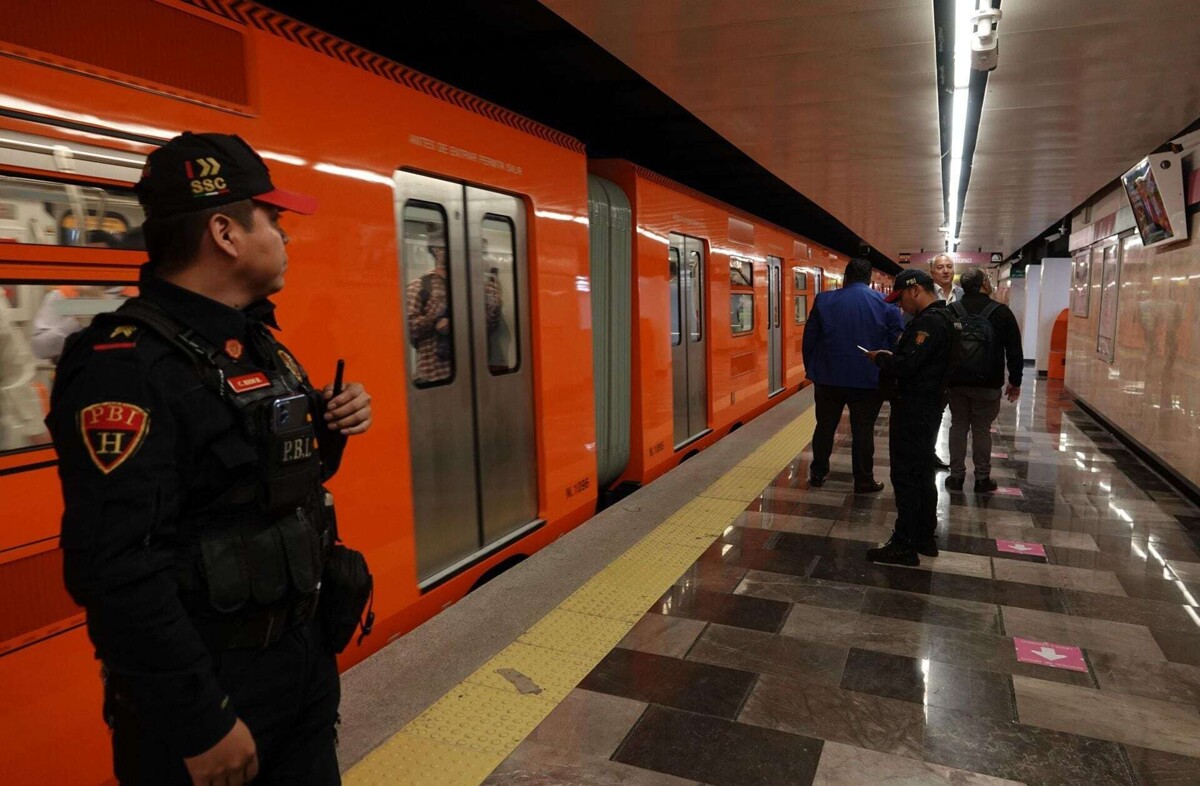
(1137, 611)
(711, 576)
(764, 653)
(685, 685)
(948, 612)
(1153, 679)
(797, 589)
(1158, 588)
(885, 725)
(1007, 749)
(535, 764)
(929, 683)
(743, 611)
(1158, 768)
(719, 752)
(1178, 646)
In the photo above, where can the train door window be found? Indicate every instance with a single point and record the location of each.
(43, 212)
(676, 332)
(801, 309)
(799, 279)
(429, 315)
(741, 316)
(498, 249)
(741, 273)
(695, 293)
(36, 319)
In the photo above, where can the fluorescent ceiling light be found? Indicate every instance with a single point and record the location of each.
(963, 27)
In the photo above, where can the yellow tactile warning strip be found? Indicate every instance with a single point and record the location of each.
(461, 738)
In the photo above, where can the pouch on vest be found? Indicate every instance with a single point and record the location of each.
(345, 592)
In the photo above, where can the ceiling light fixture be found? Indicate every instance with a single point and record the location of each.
(974, 40)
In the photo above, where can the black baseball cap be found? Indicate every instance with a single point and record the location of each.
(905, 280)
(199, 171)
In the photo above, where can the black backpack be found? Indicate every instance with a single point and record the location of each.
(972, 345)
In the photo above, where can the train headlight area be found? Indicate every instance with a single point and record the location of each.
(574, 248)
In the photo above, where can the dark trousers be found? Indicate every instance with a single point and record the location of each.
(864, 406)
(912, 436)
(286, 695)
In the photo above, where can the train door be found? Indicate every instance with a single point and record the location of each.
(689, 356)
(774, 326)
(470, 383)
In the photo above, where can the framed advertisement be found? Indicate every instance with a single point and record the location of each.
(1110, 290)
(801, 309)
(1081, 284)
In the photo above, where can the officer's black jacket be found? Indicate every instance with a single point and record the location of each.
(119, 534)
(922, 358)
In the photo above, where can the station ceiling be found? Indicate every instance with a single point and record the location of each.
(820, 115)
(839, 99)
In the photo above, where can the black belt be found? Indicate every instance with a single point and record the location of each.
(256, 630)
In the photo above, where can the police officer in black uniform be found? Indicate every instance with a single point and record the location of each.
(919, 367)
(192, 449)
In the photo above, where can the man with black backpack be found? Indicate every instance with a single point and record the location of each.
(986, 336)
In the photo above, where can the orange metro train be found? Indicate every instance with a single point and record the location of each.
(641, 320)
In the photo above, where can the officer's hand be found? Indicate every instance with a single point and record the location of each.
(350, 412)
(1013, 393)
(875, 352)
(231, 762)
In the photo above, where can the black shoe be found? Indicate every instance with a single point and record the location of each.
(895, 554)
(867, 487)
(985, 485)
(937, 462)
(954, 484)
(928, 548)
(816, 481)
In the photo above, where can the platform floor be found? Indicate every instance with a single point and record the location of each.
(780, 656)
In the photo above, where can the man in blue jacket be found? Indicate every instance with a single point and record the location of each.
(840, 322)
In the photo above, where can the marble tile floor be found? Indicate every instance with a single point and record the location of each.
(783, 657)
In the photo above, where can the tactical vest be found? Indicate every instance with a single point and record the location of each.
(251, 560)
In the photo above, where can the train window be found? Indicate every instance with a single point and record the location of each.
(741, 312)
(801, 309)
(44, 212)
(695, 291)
(427, 294)
(676, 333)
(499, 249)
(799, 279)
(35, 322)
(741, 273)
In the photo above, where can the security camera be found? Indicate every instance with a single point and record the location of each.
(985, 43)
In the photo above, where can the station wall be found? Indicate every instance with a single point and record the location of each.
(1151, 387)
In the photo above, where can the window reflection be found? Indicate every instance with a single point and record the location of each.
(43, 212)
(498, 247)
(36, 321)
(427, 295)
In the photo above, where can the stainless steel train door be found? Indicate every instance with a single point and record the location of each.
(774, 329)
(689, 355)
(464, 274)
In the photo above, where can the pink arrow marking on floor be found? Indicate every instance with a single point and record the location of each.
(1017, 547)
(1008, 491)
(999, 455)
(1044, 653)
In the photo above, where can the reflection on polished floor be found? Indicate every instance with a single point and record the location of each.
(783, 657)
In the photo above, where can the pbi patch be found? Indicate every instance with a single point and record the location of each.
(112, 432)
(921, 336)
(234, 348)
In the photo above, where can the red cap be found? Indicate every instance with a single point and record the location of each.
(892, 298)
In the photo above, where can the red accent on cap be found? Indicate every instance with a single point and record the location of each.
(892, 298)
(303, 204)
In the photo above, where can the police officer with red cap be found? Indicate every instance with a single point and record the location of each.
(196, 532)
(919, 367)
